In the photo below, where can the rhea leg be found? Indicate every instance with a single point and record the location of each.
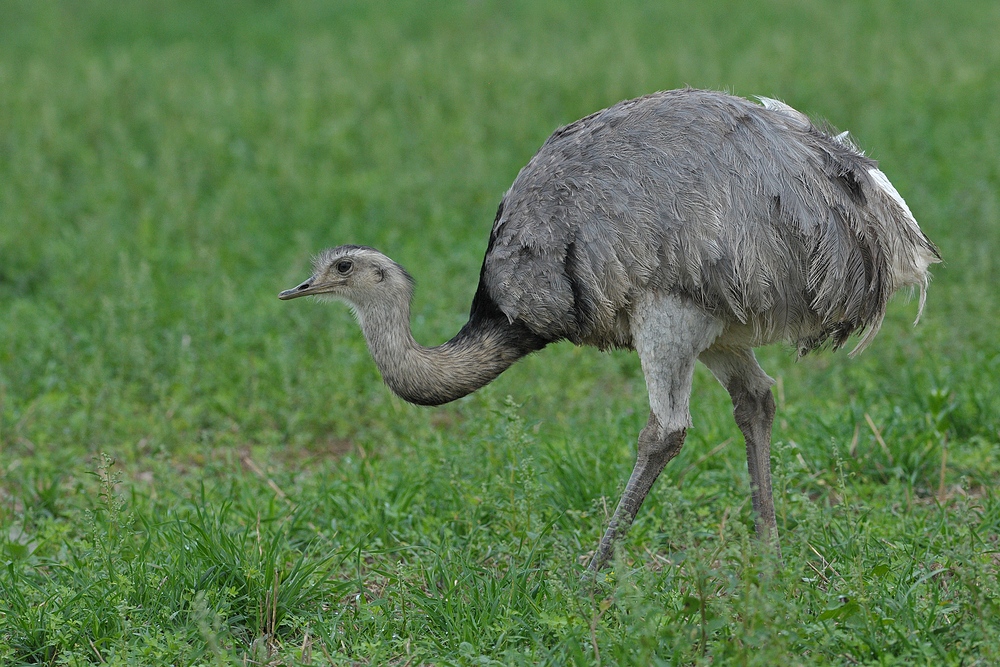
(668, 334)
(753, 408)
(655, 450)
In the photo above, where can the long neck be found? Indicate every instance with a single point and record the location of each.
(484, 348)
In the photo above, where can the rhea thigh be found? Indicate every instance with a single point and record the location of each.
(669, 333)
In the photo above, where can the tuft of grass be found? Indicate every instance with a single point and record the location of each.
(139, 578)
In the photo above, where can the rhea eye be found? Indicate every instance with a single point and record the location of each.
(343, 267)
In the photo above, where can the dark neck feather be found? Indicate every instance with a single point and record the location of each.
(485, 347)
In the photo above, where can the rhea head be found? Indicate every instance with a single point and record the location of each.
(354, 274)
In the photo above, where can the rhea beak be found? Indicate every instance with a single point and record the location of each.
(304, 289)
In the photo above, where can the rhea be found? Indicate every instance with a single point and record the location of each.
(685, 225)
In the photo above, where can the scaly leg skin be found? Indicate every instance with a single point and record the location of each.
(655, 451)
(669, 333)
(753, 408)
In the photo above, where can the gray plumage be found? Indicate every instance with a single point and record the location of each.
(685, 225)
(749, 211)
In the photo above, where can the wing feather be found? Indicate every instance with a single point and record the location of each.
(750, 211)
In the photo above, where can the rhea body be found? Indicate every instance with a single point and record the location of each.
(685, 225)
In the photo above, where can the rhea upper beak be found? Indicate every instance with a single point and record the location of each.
(304, 289)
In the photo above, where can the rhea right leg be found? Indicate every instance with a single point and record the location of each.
(753, 409)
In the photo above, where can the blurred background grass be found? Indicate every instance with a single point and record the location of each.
(165, 170)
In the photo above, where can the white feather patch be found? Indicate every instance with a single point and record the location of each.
(780, 107)
(922, 258)
(882, 181)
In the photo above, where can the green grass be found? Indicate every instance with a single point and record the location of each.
(192, 472)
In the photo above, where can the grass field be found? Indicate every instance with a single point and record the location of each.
(192, 472)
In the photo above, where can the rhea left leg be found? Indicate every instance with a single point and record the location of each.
(669, 334)
(656, 448)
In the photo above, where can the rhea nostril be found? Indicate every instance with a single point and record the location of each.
(302, 287)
